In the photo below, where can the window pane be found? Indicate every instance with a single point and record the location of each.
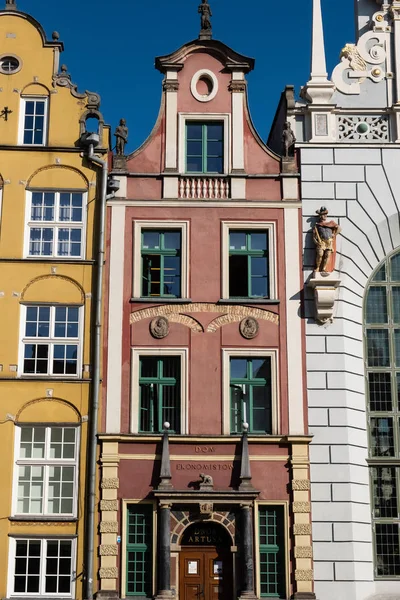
(382, 441)
(261, 409)
(215, 131)
(396, 334)
(238, 276)
(381, 274)
(395, 268)
(261, 368)
(384, 492)
(148, 366)
(214, 149)
(259, 266)
(194, 131)
(387, 549)
(172, 240)
(396, 304)
(238, 368)
(139, 551)
(172, 276)
(378, 348)
(194, 164)
(258, 241)
(376, 311)
(194, 148)
(151, 239)
(237, 240)
(380, 393)
(215, 165)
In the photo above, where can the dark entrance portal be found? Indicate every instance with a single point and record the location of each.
(205, 566)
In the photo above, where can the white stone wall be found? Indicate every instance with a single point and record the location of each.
(361, 189)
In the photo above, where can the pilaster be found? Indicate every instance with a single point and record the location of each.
(302, 550)
(108, 572)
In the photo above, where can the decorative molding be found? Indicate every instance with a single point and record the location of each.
(358, 63)
(302, 529)
(232, 310)
(301, 507)
(303, 552)
(109, 527)
(108, 504)
(363, 128)
(249, 328)
(304, 575)
(110, 483)
(58, 277)
(108, 550)
(301, 484)
(159, 327)
(170, 85)
(187, 321)
(108, 572)
(237, 86)
(324, 285)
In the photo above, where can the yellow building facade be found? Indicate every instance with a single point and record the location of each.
(49, 216)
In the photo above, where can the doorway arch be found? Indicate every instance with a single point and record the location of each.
(206, 567)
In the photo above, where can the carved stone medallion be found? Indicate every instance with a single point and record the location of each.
(249, 328)
(159, 327)
(206, 508)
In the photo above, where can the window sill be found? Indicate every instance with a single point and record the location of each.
(248, 301)
(45, 378)
(42, 519)
(160, 300)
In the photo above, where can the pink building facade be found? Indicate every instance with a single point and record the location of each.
(204, 445)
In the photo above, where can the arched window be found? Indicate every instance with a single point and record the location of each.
(382, 339)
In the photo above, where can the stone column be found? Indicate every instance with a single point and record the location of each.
(247, 549)
(164, 552)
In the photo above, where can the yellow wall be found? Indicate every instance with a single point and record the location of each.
(57, 166)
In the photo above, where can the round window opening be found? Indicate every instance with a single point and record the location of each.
(9, 64)
(362, 128)
(204, 86)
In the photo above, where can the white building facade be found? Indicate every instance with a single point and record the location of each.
(348, 139)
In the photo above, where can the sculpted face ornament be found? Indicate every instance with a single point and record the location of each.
(249, 328)
(159, 327)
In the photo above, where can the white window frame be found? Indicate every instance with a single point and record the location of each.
(55, 225)
(51, 341)
(182, 118)
(268, 226)
(21, 124)
(43, 540)
(158, 352)
(227, 354)
(183, 226)
(46, 463)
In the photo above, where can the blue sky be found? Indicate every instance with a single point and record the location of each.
(110, 46)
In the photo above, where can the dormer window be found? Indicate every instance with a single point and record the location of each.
(205, 147)
(33, 124)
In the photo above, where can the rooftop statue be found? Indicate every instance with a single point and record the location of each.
(121, 133)
(288, 139)
(206, 14)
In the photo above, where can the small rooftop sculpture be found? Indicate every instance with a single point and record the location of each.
(11, 5)
(206, 14)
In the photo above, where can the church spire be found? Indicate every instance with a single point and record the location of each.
(319, 89)
(11, 5)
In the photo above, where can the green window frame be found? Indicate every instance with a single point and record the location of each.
(251, 394)
(382, 352)
(204, 147)
(159, 393)
(248, 263)
(271, 524)
(161, 263)
(139, 550)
